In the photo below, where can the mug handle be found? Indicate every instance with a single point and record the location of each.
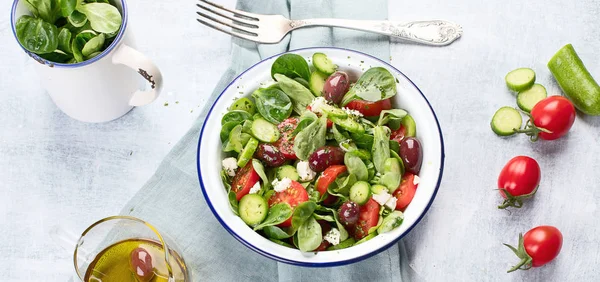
(137, 61)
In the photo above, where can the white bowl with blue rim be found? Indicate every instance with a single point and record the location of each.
(409, 97)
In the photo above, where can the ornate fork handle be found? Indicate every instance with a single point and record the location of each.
(434, 32)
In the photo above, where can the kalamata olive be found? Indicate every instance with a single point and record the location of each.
(336, 86)
(141, 264)
(349, 212)
(411, 154)
(270, 155)
(324, 157)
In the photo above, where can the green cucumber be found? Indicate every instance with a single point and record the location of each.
(317, 82)
(410, 126)
(360, 192)
(253, 209)
(247, 152)
(265, 131)
(520, 79)
(243, 104)
(348, 124)
(287, 171)
(323, 64)
(505, 121)
(528, 98)
(377, 189)
(575, 80)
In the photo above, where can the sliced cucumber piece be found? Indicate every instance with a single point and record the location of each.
(410, 126)
(264, 131)
(243, 104)
(528, 98)
(247, 152)
(505, 121)
(377, 189)
(323, 64)
(287, 171)
(348, 124)
(360, 192)
(253, 209)
(317, 82)
(520, 79)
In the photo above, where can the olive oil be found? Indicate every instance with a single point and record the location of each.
(116, 263)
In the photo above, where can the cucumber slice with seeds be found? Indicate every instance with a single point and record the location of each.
(265, 131)
(253, 209)
(360, 192)
(323, 64)
(528, 98)
(287, 171)
(505, 121)
(317, 82)
(520, 79)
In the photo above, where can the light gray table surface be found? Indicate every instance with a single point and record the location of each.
(55, 170)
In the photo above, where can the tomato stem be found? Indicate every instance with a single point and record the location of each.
(526, 260)
(515, 201)
(531, 130)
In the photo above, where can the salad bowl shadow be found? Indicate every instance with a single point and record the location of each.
(409, 97)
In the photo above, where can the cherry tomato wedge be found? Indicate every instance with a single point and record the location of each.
(243, 180)
(398, 135)
(406, 191)
(328, 176)
(541, 245)
(286, 141)
(293, 196)
(368, 108)
(552, 118)
(367, 219)
(518, 180)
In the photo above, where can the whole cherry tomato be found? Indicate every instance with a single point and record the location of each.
(518, 180)
(551, 119)
(539, 246)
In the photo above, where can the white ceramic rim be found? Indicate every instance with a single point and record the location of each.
(431, 172)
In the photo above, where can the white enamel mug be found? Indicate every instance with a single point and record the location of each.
(103, 88)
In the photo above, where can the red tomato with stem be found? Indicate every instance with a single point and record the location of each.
(243, 181)
(327, 177)
(538, 247)
(367, 219)
(368, 108)
(518, 180)
(551, 119)
(293, 196)
(406, 191)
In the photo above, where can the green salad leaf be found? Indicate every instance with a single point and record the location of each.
(273, 104)
(302, 213)
(311, 138)
(300, 95)
(381, 147)
(77, 19)
(36, 35)
(274, 232)
(309, 235)
(374, 85)
(292, 66)
(277, 214)
(103, 17)
(94, 45)
(67, 7)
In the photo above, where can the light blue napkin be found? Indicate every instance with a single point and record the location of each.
(172, 201)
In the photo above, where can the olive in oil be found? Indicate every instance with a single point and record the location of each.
(135, 260)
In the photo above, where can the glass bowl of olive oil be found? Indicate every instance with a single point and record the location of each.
(125, 248)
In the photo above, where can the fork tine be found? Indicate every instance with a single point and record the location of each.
(235, 20)
(229, 24)
(232, 33)
(234, 11)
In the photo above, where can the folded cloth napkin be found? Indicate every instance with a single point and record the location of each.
(172, 201)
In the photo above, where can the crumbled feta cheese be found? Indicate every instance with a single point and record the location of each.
(333, 236)
(382, 197)
(378, 174)
(255, 188)
(304, 171)
(316, 106)
(230, 165)
(391, 203)
(416, 180)
(352, 112)
(281, 185)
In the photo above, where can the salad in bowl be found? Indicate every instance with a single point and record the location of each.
(319, 160)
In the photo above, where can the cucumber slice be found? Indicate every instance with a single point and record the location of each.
(247, 152)
(287, 171)
(528, 98)
(317, 82)
(323, 64)
(253, 209)
(377, 189)
(520, 79)
(505, 121)
(243, 104)
(264, 131)
(360, 192)
(410, 126)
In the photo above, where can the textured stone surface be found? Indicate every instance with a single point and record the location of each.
(54, 170)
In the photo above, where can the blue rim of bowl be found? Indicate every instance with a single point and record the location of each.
(320, 264)
(41, 60)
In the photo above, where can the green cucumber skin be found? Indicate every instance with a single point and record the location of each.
(575, 80)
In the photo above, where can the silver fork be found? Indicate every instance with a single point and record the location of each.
(272, 28)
